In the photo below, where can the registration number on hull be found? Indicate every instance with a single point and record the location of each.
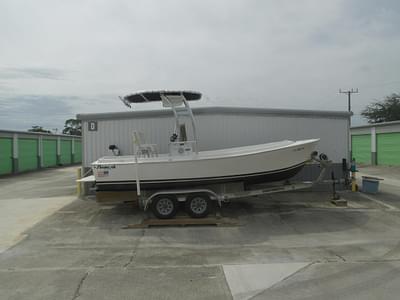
(103, 173)
(103, 170)
(298, 149)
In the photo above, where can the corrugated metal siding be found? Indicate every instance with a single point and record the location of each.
(228, 131)
(388, 148)
(33, 150)
(78, 152)
(66, 152)
(5, 156)
(361, 148)
(27, 154)
(120, 133)
(49, 153)
(217, 131)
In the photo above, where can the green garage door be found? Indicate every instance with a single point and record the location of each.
(361, 148)
(388, 148)
(78, 152)
(27, 154)
(5, 156)
(49, 153)
(66, 152)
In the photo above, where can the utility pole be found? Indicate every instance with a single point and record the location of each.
(349, 92)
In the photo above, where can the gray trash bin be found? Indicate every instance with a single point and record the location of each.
(370, 185)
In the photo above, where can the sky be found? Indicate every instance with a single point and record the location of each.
(61, 58)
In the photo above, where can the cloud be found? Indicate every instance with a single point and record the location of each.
(23, 111)
(289, 54)
(4, 87)
(36, 73)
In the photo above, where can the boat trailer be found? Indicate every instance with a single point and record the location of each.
(197, 200)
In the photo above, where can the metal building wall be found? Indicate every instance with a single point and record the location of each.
(361, 146)
(6, 155)
(384, 142)
(120, 133)
(221, 129)
(22, 151)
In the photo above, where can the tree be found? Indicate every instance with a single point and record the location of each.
(37, 128)
(72, 127)
(383, 111)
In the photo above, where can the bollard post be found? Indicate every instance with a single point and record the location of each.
(78, 184)
(335, 195)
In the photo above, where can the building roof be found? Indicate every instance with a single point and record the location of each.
(216, 110)
(376, 125)
(37, 133)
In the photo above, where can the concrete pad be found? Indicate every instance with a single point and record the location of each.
(246, 281)
(155, 283)
(380, 202)
(39, 284)
(389, 188)
(82, 252)
(17, 215)
(332, 281)
(29, 198)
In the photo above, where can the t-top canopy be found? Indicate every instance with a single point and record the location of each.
(151, 96)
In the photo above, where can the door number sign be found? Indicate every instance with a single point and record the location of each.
(92, 126)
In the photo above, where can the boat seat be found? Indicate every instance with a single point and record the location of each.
(143, 148)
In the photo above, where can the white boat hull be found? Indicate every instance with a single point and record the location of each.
(250, 164)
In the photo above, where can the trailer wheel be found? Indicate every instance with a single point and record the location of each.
(164, 206)
(198, 205)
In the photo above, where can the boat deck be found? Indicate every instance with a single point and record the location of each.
(210, 154)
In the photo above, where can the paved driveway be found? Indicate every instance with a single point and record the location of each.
(28, 198)
(288, 246)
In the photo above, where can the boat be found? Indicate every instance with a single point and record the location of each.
(186, 166)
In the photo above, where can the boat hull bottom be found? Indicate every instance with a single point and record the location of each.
(247, 179)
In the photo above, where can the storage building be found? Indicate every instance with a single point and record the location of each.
(22, 151)
(377, 144)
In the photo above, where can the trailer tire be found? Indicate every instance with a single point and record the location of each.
(198, 205)
(164, 206)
